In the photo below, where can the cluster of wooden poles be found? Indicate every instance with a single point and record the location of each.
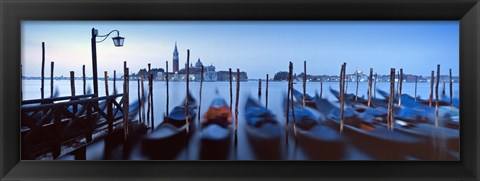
(72, 86)
(150, 117)
(343, 87)
(200, 94)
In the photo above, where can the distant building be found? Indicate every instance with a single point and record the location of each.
(199, 63)
(210, 74)
(225, 76)
(175, 59)
(158, 74)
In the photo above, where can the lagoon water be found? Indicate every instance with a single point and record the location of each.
(277, 91)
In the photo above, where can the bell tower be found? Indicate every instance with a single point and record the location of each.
(175, 59)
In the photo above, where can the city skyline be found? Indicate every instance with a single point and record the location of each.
(258, 48)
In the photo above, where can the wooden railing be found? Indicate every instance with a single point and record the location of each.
(48, 124)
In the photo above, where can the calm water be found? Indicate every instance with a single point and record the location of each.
(277, 90)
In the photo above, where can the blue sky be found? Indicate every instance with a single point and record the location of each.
(257, 47)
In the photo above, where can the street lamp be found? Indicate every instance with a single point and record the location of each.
(117, 41)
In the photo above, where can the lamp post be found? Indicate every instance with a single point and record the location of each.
(117, 41)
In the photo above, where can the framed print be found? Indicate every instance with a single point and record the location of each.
(272, 90)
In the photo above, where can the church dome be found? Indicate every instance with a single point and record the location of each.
(199, 64)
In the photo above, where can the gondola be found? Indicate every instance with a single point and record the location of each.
(376, 116)
(440, 138)
(443, 101)
(361, 102)
(413, 111)
(263, 131)
(171, 136)
(309, 100)
(216, 131)
(378, 140)
(319, 141)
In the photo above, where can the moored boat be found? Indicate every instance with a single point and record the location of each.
(374, 118)
(368, 136)
(319, 141)
(416, 112)
(263, 131)
(173, 134)
(216, 131)
(309, 100)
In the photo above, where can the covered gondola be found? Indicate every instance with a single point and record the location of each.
(315, 138)
(216, 131)
(263, 131)
(173, 134)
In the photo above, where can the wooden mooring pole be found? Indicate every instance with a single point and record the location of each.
(259, 89)
(356, 89)
(186, 100)
(346, 79)
(266, 92)
(451, 88)
(51, 79)
(400, 79)
(231, 92)
(288, 95)
(375, 86)
(142, 96)
(321, 87)
(115, 82)
(398, 82)
(106, 83)
(287, 106)
(110, 116)
(304, 82)
(436, 95)
(148, 95)
(431, 88)
(72, 83)
(342, 92)
(292, 104)
(236, 105)
(42, 89)
(150, 81)
(200, 95)
(84, 78)
(166, 81)
(369, 91)
(390, 120)
(125, 99)
(72, 89)
(139, 105)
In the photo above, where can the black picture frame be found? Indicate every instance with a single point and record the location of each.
(13, 12)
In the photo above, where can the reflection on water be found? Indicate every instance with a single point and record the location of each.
(243, 151)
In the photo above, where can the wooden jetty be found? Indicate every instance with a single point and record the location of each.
(66, 125)
(48, 124)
